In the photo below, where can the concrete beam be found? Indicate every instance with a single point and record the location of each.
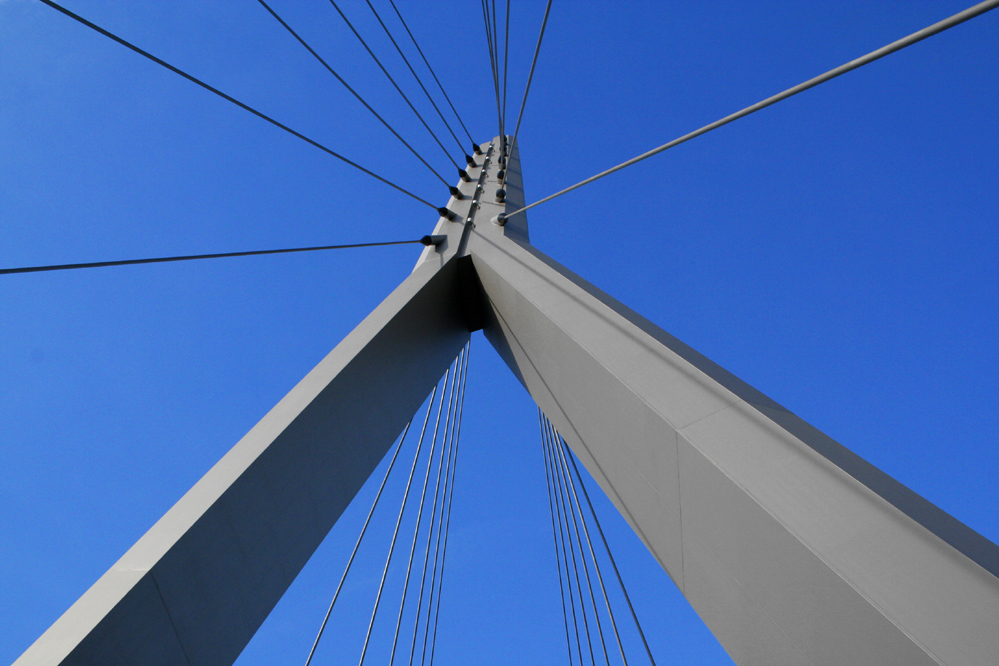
(792, 549)
(196, 587)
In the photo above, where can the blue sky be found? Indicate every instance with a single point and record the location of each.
(837, 251)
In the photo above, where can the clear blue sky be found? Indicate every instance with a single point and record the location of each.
(837, 251)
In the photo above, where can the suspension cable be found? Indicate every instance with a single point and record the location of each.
(423, 497)
(495, 34)
(402, 509)
(897, 45)
(610, 556)
(440, 526)
(579, 542)
(415, 75)
(492, 54)
(146, 54)
(426, 240)
(351, 90)
(561, 500)
(558, 562)
(394, 84)
(357, 545)
(506, 63)
(560, 445)
(432, 73)
(450, 503)
(530, 77)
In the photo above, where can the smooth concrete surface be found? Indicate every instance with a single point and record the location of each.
(792, 549)
(196, 587)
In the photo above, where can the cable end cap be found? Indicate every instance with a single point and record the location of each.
(447, 215)
(501, 195)
(433, 241)
(470, 160)
(456, 193)
(465, 178)
(499, 220)
(476, 149)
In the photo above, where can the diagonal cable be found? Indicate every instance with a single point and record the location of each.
(530, 77)
(610, 556)
(402, 510)
(93, 26)
(427, 63)
(490, 42)
(357, 545)
(579, 542)
(415, 75)
(351, 90)
(423, 497)
(560, 445)
(389, 76)
(440, 527)
(506, 62)
(450, 503)
(897, 45)
(426, 240)
(562, 502)
(558, 562)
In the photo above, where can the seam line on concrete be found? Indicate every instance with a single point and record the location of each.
(679, 505)
(170, 617)
(620, 501)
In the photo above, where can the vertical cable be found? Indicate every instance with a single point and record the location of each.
(450, 503)
(423, 497)
(596, 565)
(563, 512)
(610, 555)
(558, 562)
(357, 545)
(402, 510)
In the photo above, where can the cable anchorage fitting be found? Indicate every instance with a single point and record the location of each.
(433, 241)
(456, 193)
(465, 178)
(448, 215)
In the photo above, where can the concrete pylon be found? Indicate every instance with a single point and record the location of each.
(790, 548)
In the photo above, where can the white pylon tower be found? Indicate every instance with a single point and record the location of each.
(792, 549)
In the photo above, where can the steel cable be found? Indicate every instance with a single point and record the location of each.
(426, 240)
(530, 77)
(558, 562)
(389, 77)
(897, 45)
(493, 56)
(175, 70)
(579, 543)
(450, 503)
(357, 545)
(560, 445)
(440, 526)
(610, 556)
(351, 90)
(402, 510)
(415, 75)
(506, 63)
(562, 501)
(423, 497)
(432, 73)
